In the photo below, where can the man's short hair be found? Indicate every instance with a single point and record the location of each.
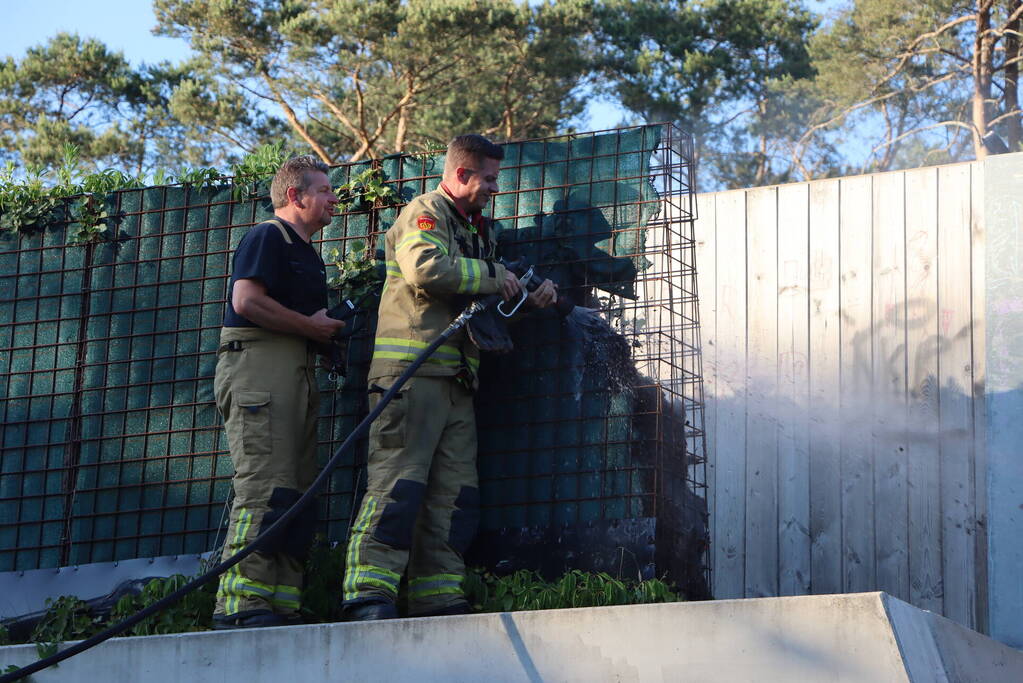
(467, 151)
(294, 173)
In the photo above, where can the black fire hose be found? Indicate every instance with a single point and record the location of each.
(473, 308)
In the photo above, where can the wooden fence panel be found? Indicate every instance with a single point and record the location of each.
(924, 507)
(761, 394)
(888, 333)
(706, 280)
(825, 351)
(844, 386)
(793, 391)
(855, 440)
(729, 478)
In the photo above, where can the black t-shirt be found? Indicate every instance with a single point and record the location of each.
(293, 274)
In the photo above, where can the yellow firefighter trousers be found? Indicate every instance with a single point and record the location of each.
(421, 507)
(266, 392)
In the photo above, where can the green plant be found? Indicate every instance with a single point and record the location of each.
(527, 590)
(28, 206)
(162, 177)
(358, 270)
(71, 181)
(325, 569)
(201, 178)
(25, 206)
(191, 613)
(109, 180)
(68, 171)
(5, 636)
(425, 155)
(69, 618)
(255, 168)
(90, 214)
(66, 618)
(366, 189)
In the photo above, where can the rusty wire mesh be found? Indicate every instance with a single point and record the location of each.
(113, 448)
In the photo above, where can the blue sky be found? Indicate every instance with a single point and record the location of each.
(122, 24)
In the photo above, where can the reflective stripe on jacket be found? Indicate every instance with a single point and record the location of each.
(436, 261)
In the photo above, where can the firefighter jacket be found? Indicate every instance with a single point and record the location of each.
(437, 261)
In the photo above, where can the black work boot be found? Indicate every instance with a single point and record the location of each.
(253, 618)
(449, 611)
(369, 611)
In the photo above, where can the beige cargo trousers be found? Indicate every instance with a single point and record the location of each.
(266, 392)
(421, 507)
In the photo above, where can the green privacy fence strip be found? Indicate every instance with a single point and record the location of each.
(113, 449)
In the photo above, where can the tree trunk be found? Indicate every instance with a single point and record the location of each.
(296, 124)
(983, 49)
(762, 161)
(889, 151)
(401, 130)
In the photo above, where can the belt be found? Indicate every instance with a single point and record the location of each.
(237, 345)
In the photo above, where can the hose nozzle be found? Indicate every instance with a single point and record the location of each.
(530, 281)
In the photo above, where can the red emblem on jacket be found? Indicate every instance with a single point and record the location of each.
(426, 223)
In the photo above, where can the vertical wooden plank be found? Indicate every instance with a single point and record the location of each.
(761, 393)
(858, 571)
(889, 383)
(924, 492)
(955, 393)
(706, 280)
(730, 392)
(824, 377)
(977, 280)
(793, 391)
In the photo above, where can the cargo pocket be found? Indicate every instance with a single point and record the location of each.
(254, 411)
(388, 430)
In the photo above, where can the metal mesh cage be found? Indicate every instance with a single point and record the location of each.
(113, 448)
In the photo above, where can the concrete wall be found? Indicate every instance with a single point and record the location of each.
(844, 363)
(1003, 206)
(868, 637)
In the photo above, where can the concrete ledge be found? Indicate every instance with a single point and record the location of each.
(861, 637)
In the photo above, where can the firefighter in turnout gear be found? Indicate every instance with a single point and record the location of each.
(266, 392)
(421, 506)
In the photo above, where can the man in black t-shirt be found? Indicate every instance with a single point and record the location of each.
(266, 392)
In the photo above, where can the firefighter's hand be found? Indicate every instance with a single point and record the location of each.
(322, 327)
(510, 288)
(545, 295)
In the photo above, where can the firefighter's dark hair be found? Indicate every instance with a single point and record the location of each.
(468, 151)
